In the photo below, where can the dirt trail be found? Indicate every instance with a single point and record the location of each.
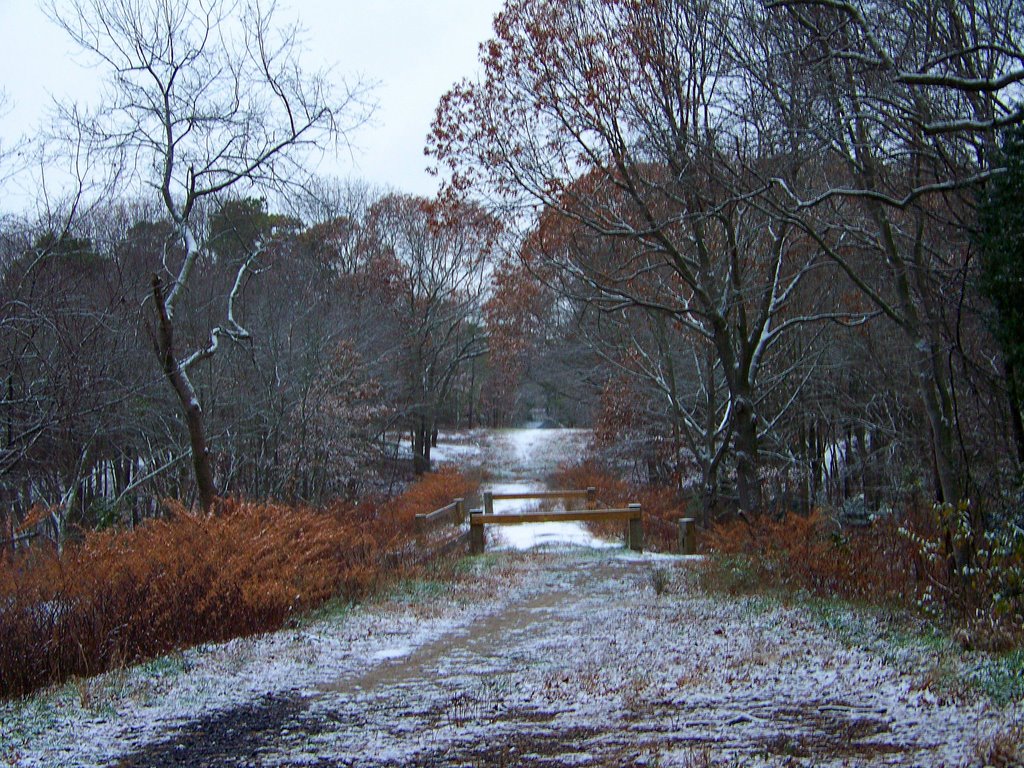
(588, 666)
(482, 637)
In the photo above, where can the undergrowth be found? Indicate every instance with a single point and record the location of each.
(894, 586)
(122, 596)
(922, 562)
(811, 553)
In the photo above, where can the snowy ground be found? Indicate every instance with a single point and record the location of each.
(518, 461)
(555, 657)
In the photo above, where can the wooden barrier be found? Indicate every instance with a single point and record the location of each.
(635, 531)
(589, 495)
(687, 536)
(454, 513)
(631, 515)
(476, 534)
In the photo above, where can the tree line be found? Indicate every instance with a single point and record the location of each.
(366, 329)
(771, 250)
(790, 227)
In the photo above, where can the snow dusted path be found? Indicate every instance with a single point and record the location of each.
(578, 662)
(557, 657)
(518, 461)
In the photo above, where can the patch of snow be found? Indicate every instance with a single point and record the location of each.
(530, 535)
(628, 554)
(386, 654)
(459, 454)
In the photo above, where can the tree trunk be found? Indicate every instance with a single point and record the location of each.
(709, 496)
(934, 394)
(421, 447)
(472, 390)
(1014, 396)
(189, 401)
(747, 481)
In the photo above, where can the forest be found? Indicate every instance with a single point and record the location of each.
(771, 252)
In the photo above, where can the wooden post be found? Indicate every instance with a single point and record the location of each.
(687, 536)
(460, 511)
(476, 536)
(591, 497)
(488, 502)
(636, 531)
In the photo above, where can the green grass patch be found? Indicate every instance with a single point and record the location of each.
(729, 574)
(1000, 677)
(899, 637)
(335, 610)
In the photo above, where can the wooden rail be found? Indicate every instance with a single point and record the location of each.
(590, 495)
(632, 515)
(580, 515)
(454, 513)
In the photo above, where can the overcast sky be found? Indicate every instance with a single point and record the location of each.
(414, 49)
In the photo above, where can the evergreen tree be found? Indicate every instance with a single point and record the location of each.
(1001, 241)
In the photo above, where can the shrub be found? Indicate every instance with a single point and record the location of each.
(911, 562)
(812, 553)
(118, 597)
(981, 574)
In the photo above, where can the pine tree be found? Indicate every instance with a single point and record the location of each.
(1001, 241)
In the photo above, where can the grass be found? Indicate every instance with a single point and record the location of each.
(893, 634)
(1000, 677)
(903, 639)
(1005, 749)
(661, 579)
(30, 718)
(477, 564)
(336, 609)
(413, 591)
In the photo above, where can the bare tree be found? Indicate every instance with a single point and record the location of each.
(200, 97)
(7, 150)
(441, 258)
(906, 97)
(634, 122)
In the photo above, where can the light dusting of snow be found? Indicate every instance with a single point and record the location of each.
(555, 657)
(568, 657)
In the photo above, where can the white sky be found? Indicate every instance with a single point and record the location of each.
(414, 50)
